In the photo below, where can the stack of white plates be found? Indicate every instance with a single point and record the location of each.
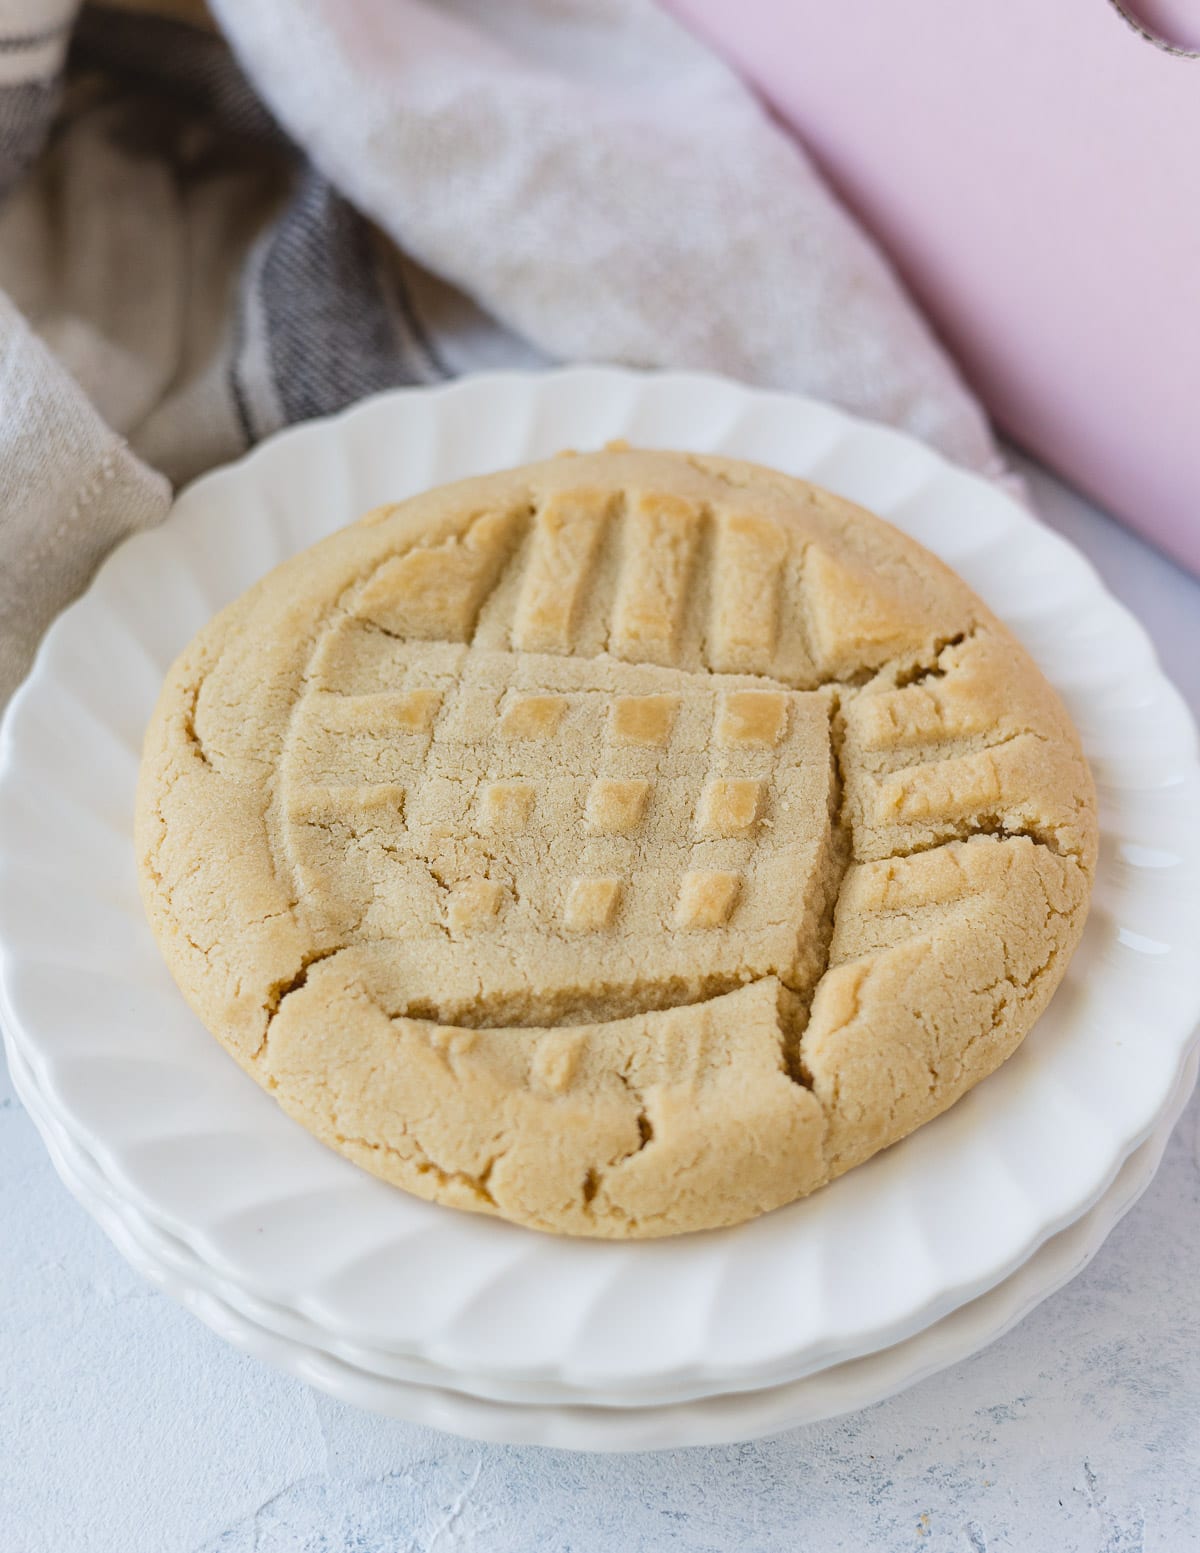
(909, 1263)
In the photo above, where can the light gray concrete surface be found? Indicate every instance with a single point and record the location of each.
(126, 1427)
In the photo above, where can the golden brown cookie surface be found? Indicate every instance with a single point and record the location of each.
(625, 844)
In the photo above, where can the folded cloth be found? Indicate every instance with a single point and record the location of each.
(216, 224)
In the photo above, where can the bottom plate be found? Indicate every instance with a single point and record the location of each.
(716, 1420)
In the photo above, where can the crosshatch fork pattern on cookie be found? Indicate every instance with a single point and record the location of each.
(482, 764)
(571, 787)
(544, 798)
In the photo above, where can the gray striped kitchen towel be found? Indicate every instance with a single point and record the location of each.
(217, 222)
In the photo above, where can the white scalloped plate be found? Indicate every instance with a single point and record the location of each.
(366, 1380)
(206, 1156)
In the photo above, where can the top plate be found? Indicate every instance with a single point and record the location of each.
(892, 1247)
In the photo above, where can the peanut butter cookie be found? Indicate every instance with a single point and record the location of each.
(625, 844)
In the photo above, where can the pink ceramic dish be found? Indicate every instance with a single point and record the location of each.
(1033, 171)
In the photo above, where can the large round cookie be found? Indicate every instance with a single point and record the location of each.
(625, 844)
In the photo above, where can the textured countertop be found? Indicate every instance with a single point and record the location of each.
(126, 1427)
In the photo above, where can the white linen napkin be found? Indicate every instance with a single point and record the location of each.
(388, 191)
